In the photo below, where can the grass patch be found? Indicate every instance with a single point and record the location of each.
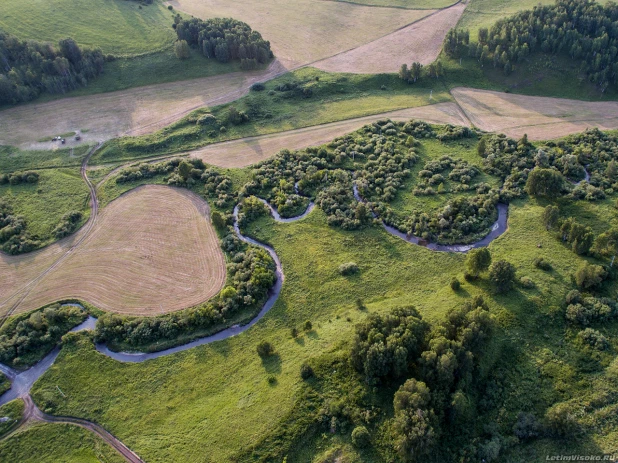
(115, 26)
(43, 204)
(11, 413)
(51, 443)
(13, 159)
(334, 97)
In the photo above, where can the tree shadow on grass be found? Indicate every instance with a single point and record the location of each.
(272, 363)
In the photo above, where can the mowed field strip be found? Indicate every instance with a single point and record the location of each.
(304, 31)
(247, 151)
(152, 250)
(542, 118)
(133, 112)
(421, 41)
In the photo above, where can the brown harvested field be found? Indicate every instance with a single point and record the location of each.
(421, 41)
(152, 250)
(247, 151)
(304, 31)
(133, 112)
(541, 118)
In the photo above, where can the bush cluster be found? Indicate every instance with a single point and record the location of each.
(17, 178)
(14, 237)
(587, 310)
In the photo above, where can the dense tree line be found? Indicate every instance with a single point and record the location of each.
(14, 237)
(225, 39)
(580, 30)
(17, 178)
(29, 68)
(24, 339)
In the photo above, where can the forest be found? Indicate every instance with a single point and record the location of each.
(582, 31)
(224, 39)
(29, 68)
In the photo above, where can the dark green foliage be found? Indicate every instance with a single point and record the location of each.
(527, 427)
(540, 262)
(360, 437)
(386, 345)
(590, 276)
(580, 30)
(14, 237)
(456, 43)
(306, 371)
(225, 39)
(265, 349)
(349, 268)
(478, 260)
(27, 338)
(217, 220)
(17, 178)
(308, 326)
(30, 68)
(588, 310)
(68, 224)
(606, 244)
(502, 274)
(251, 274)
(455, 284)
(544, 182)
(579, 236)
(560, 420)
(181, 49)
(594, 339)
(550, 217)
(433, 173)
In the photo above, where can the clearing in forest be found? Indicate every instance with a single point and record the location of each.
(247, 151)
(419, 42)
(541, 118)
(152, 250)
(304, 31)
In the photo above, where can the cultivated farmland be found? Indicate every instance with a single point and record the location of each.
(153, 250)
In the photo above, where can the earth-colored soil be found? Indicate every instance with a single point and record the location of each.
(153, 250)
(247, 151)
(419, 42)
(131, 112)
(541, 118)
(304, 31)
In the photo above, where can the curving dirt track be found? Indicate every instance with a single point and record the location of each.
(152, 250)
(542, 118)
(127, 112)
(420, 41)
(247, 151)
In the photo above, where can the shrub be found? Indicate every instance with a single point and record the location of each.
(306, 371)
(455, 284)
(593, 338)
(265, 349)
(349, 268)
(258, 87)
(294, 332)
(360, 437)
(181, 49)
(544, 182)
(526, 427)
(561, 421)
(307, 326)
(526, 282)
(502, 274)
(541, 263)
(478, 260)
(590, 276)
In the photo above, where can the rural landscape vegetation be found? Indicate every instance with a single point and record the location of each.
(317, 231)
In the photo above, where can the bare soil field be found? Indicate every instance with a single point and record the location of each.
(153, 250)
(421, 41)
(131, 112)
(247, 151)
(304, 31)
(541, 118)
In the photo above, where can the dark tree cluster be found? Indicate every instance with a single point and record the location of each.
(585, 311)
(251, 274)
(183, 172)
(225, 39)
(435, 173)
(581, 30)
(14, 236)
(30, 68)
(17, 178)
(68, 224)
(29, 337)
(454, 132)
